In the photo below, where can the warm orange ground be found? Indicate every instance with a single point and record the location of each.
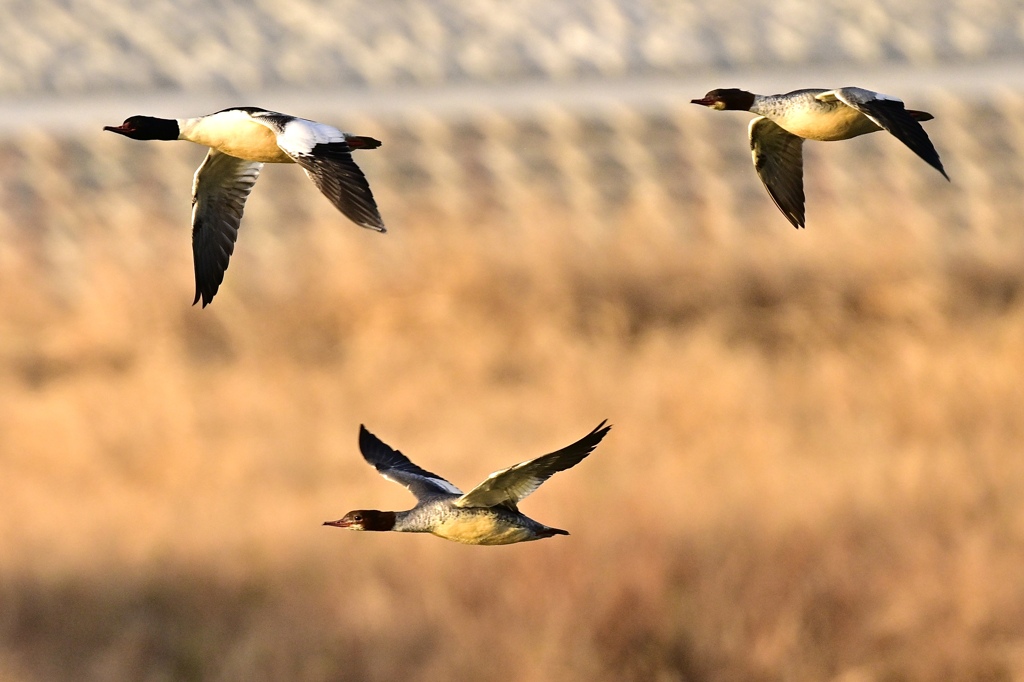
(816, 470)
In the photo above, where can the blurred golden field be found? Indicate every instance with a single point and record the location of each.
(815, 470)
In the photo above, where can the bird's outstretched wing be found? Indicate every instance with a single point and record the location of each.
(779, 162)
(326, 157)
(396, 467)
(508, 486)
(890, 114)
(221, 186)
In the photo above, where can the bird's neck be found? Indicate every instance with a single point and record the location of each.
(379, 520)
(422, 519)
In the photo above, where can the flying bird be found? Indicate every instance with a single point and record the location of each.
(486, 515)
(784, 121)
(241, 140)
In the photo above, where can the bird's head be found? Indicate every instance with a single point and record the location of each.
(732, 99)
(147, 128)
(365, 519)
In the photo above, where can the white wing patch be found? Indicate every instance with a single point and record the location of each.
(300, 136)
(403, 478)
(855, 95)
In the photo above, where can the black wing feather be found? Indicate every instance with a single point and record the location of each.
(394, 466)
(779, 162)
(334, 172)
(893, 116)
(221, 186)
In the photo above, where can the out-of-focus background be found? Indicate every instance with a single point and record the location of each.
(817, 465)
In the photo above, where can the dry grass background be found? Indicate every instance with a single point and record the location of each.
(815, 470)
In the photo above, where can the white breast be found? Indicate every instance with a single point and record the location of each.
(826, 123)
(234, 133)
(480, 529)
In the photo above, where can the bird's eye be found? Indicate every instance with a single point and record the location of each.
(358, 517)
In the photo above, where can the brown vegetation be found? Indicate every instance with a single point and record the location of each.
(815, 470)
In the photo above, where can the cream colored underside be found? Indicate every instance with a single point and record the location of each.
(244, 139)
(841, 123)
(481, 530)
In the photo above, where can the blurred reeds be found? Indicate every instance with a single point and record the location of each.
(815, 470)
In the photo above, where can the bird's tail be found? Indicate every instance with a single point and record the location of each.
(548, 532)
(360, 142)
